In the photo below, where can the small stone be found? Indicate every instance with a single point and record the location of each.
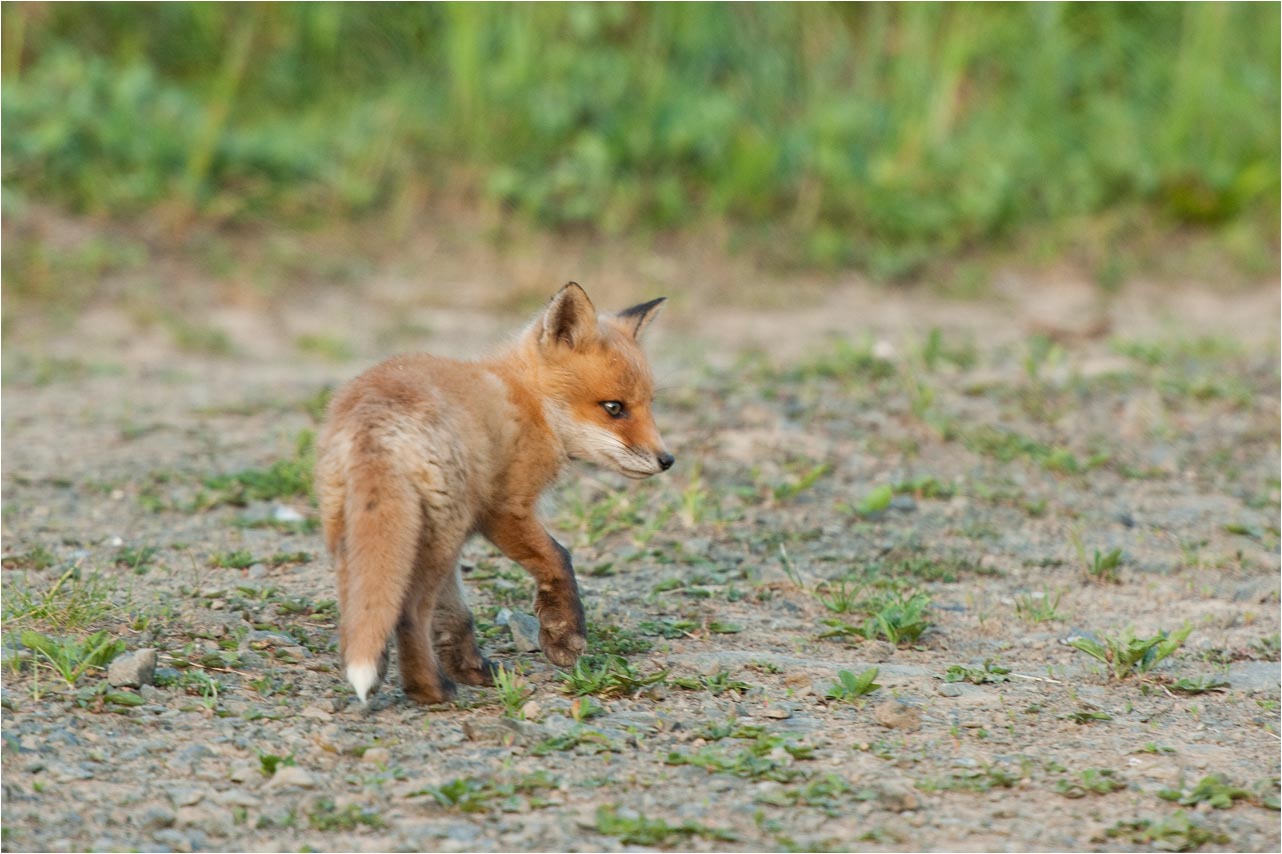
(243, 773)
(292, 775)
(133, 669)
(175, 839)
(238, 798)
(157, 817)
(377, 756)
(950, 689)
(903, 503)
(316, 713)
(525, 631)
(502, 731)
(895, 714)
(532, 710)
(778, 711)
(896, 795)
(283, 513)
(185, 796)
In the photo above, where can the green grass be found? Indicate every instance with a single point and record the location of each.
(72, 657)
(850, 687)
(639, 830)
(885, 135)
(73, 602)
(758, 759)
(606, 676)
(284, 479)
(1126, 654)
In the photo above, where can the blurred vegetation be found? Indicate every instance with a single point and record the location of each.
(872, 134)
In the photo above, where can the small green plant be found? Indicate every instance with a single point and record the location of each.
(38, 558)
(1127, 654)
(138, 559)
(1039, 607)
(474, 794)
(849, 687)
(830, 794)
(513, 690)
(978, 780)
(71, 658)
(898, 619)
(716, 684)
(1213, 790)
(72, 602)
(268, 763)
(1154, 747)
(232, 560)
(289, 478)
(1198, 684)
(327, 817)
(1088, 716)
(840, 598)
(877, 501)
(606, 676)
(759, 759)
(585, 709)
(800, 482)
(1098, 781)
(990, 672)
(1175, 832)
(1103, 566)
(639, 830)
(581, 739)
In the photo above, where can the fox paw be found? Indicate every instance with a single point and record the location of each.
(479, 674)
(562, 650)
(428, 694)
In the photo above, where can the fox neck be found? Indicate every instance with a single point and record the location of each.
(543, 421)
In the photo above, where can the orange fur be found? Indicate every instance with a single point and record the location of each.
(420, 452)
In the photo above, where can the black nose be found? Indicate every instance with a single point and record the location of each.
(666, 460)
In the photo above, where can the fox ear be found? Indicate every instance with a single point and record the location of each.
(569, 319)
(637, 318)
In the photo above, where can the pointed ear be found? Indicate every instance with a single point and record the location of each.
(569, 319)
(637, 318)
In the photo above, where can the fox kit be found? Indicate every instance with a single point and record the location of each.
(419, 453)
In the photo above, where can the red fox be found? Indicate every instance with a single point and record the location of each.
(420, 452)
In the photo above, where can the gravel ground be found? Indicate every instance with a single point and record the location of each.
(946, 493)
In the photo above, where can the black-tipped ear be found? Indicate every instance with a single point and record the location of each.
(638, 317)
(569, 319)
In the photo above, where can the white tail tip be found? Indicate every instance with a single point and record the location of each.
(364, 678)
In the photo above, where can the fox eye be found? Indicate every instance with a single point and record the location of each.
(613, 408)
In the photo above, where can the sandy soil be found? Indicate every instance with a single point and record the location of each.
(1024, 437)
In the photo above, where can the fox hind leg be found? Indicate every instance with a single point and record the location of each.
(454, 633)
(422, 676)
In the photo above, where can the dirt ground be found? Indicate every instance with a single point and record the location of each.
(946, 491)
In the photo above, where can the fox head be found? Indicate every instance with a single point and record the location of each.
(598, 383)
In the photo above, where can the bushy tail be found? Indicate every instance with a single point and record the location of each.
(382, 521)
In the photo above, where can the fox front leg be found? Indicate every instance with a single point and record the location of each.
(562, 627)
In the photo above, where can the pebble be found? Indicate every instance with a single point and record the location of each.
(175, 839)
(525, 631)
(777, 711)
(502, 731)
(133, 669)
(243, 773)
(185, 796)
(316, 713)
(292, 775)
(377, 756)
(895, 714)
(897, 795)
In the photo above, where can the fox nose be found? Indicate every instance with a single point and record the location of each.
(666, 460)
